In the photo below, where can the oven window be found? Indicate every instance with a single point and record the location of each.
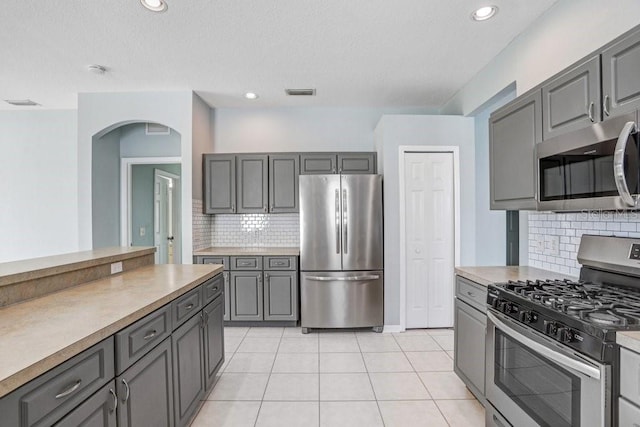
(548, 393)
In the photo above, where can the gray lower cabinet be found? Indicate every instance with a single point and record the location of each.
(280, 295)
(572, 100)
(514, 131)
(188, 375)
(470, 325)
(219, 183)
(252, 191)
(620, 82)
(246, 295)
(97, 411)
(145, 390)
(284, 171)
(213, 340)
(227, 296)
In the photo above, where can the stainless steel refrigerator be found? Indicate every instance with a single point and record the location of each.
(341, 262)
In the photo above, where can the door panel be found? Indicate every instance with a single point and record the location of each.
(188, 375)
(280, 295)
(429, 231)
(252, 188)
(246, 295)
(219, 183)
(320, 222)
(317, 163)
(362, 222)
(620, 82)
(213, 340)
(284, 171)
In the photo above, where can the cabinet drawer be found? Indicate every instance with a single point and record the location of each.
(630, 380)
(224, 260)
(629, 415)
(246, 263)
(98, 410)
(212, 288)
(186, 306)
(49, 397)
(472, 293)
(136, 340)
(280, 263)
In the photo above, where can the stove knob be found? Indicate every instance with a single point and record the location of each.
(526, 317)
(566, 335)
(550, 327)
(502, 306)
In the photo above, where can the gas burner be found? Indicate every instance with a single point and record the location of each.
(606, 318)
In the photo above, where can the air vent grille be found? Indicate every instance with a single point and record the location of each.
(300, 92)
(21, 102)
(157, 129)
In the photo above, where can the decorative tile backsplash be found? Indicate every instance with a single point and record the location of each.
(554, 238)
(201, 226)
(257, 230)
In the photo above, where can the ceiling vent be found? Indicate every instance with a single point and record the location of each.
(157, 129)
(300, 92)
(21, 102)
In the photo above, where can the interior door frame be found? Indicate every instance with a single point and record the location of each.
(176, 228)
(126, 165)
(406, 149)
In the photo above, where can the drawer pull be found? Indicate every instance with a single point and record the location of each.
(471, 294)
(280, 263)
(244, 263)
(126, 388)
(69, 390)
(150, 335)
(189, 306)
(115, 400)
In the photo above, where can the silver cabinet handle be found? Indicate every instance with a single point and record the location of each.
(605, 105)
(618, 164)
(264, 208)
(226, 277)
(259, 278)
(545, 351)
(266, 277)
(115, 400)
(202, 319)
(189, 306)
(471, 294)
(344, 279)
(345, 231)
(150, 335)
(233, 207)
(69, 390)
(337, 221)
(272, 208)
(590, 112)
(126, 389)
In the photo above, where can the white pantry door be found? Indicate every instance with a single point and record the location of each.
(166, 216)
(429, 231)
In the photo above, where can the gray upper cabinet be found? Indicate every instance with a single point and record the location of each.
(572, 100)
(514, 131)
(620, 79)
(283, 183)
(219, 183)
(357, 163)
(318, 163)
(252, 183)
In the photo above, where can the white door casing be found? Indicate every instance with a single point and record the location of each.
(429, 235)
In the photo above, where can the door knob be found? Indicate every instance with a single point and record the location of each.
(417, 251)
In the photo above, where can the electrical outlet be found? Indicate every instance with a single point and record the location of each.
(552, 245)
(116, 267)
(143, 231)
(540, 243)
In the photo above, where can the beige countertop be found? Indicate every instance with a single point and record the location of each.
(29, 269)
(488, 275)
(629, 339)
(273, 251)
(38, 334)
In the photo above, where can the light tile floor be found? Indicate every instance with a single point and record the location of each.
(280, 377)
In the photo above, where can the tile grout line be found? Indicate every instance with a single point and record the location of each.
(264, 393)
(366, 368)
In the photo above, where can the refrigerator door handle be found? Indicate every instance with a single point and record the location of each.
(343, 279)
(337, 221)
(344, 222)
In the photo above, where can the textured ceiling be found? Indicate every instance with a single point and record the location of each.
(354, 52)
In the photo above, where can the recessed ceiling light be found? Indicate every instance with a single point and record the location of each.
(154, 5)
(97, 69)
(21, 102)
(251, 95)
(484, 13)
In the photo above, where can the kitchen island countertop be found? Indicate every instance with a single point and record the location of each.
(247, 251)
(488, 275)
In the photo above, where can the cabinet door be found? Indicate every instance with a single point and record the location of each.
(469, 346)
(246, 295)
(97, 411)
(513, 133)
(227, 296)
(219, 183)
(188, 369)
(252, 184)
(354, 163)
(318, 163)
(572, 100)
(213, 340)
(280, 295)
(145, 390)
(283, 183)
(620, 82)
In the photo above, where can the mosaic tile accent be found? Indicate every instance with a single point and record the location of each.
(256, 230)
(554, 238)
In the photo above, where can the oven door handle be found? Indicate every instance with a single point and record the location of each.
(559, 358)
(618, 164)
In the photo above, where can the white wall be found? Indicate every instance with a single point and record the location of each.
(105, 182)
(38, 183)
(390, 134)
(134, 142)
(568, 31)
(202, 141)
(237, 130)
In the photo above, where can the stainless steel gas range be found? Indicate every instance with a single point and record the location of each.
(552, 359)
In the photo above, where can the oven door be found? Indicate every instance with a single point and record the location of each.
(535, 381)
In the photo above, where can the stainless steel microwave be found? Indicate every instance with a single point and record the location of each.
(596, 168)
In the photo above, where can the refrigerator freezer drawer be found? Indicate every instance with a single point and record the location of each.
(350, 299)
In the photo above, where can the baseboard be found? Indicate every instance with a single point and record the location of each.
(392, 328)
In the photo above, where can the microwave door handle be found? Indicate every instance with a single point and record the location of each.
(545, 351)
(618, 164)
